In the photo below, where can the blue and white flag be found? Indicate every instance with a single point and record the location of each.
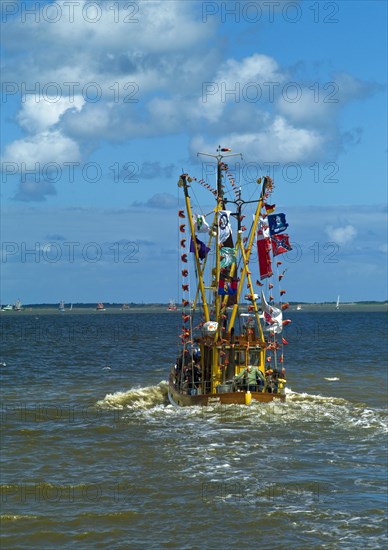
(224, 227)
(277, 223)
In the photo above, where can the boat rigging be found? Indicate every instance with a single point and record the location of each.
(229, 350)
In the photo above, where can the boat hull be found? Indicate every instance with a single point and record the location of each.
(180, 399)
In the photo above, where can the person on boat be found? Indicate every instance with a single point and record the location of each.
(197, 374)
(272, 377)
(196, 350)
(252, 378)
(269, 385)
(275, 378)
(178, 370)
(191, 377)
(187, 378)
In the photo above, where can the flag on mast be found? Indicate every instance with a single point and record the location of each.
(200, 224)
(263, 251)
(224, 227)
(277, 223)
(280, 244)
(272, 316)
(201, 246)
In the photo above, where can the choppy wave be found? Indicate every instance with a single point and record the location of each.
(299, 409)
(17, 517)
(337, 411)
(140, 398)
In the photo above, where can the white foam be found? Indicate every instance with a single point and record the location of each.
(142, 398)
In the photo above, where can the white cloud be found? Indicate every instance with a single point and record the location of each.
(39, 113)
(239, 82)
(42, 148)
(165, 50)
(278, 142)
(301, 106)
(31, 190)
(341, 235)
(114, 42)
(351, 88)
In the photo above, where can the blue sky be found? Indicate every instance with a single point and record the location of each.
(104, 103)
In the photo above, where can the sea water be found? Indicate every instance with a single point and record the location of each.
(94, 456)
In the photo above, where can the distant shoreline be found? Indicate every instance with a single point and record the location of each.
(31, 309)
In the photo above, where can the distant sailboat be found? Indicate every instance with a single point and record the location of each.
(61, 306)
(298, 307)
(100, 307)
(18, 305)
(337, 303)
(172, 306)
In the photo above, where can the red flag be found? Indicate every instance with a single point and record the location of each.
(269, 208)
(284, 341)
(280, 244)
(282, 292)
(263, 252)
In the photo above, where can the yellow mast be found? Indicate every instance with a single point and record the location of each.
(215, 367)
(246, 256)
(202, 271)
(185, 186)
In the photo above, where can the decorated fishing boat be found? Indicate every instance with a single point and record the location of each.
(231, 342)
